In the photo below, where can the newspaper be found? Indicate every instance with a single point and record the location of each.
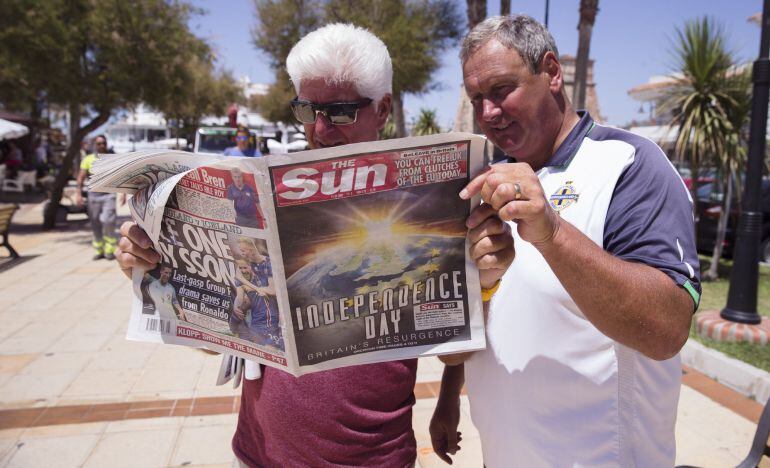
(310, 261)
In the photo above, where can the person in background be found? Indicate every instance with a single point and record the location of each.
(101, 206)
(13, 159)
(243, 145)
(41, 157)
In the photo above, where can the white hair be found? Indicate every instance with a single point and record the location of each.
(343, 53)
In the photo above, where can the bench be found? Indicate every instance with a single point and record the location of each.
(6, 213)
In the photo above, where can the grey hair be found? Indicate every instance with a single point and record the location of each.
(343, 53)
(527, 36)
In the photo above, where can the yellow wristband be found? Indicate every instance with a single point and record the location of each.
(487, 293)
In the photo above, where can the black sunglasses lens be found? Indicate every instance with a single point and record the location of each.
(303, 111)
(341, 114)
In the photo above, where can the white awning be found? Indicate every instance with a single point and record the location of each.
(10, 130)
(660, 134)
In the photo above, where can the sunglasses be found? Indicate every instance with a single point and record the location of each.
(338, 113)
(241, 138)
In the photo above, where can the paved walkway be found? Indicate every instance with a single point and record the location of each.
(74, 392)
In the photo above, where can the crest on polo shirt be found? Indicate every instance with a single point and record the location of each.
(563, 197)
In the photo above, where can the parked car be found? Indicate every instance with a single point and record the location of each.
(710, 198)
(217, 139)
(706, 176)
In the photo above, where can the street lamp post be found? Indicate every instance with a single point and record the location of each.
(742, 298)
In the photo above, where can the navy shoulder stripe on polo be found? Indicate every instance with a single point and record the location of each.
(650, 218)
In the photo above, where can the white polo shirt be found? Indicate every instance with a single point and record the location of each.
(551, 389)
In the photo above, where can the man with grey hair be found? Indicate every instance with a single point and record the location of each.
(352, 416)
(582, 364)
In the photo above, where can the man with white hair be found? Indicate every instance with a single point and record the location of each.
(352, 416)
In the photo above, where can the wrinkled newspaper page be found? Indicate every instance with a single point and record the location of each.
(310, 261)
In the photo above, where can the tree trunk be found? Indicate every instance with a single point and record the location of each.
(724, 217)
(505, 7)
(588, 11)
(477, 11)
(76, 135)
(694, 185)
(398, 114)
(465, 121)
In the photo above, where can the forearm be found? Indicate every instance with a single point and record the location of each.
(269, 290)
(452, 382)
(80, 180)
(632, 303)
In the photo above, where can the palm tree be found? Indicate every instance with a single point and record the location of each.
(588, 11)
(477, 11)
(709, 105)
(426, 123)
(464, 120)
(730, 162)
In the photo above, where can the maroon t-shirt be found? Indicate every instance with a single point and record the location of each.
(355, 416)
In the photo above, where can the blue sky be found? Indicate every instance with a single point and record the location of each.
(631, 42)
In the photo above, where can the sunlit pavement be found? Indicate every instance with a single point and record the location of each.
(74, 392)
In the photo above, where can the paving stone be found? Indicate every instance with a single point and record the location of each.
(26, 388)
(203, 445)
(147, 449)
(105, 383)
(168, 380)
(708, 434)
(51, 362)
(61, 452)
(14, 363)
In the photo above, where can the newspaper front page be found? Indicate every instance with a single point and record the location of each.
(309, 261)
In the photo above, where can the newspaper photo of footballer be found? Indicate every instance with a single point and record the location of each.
(160, 295)
(377, 272)
(255, 315)
(202, 270)
(245, 201)
(216, 196)
(220, 195)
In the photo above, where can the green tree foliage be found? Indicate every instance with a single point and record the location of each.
(198, 90)
(281, 24)
(388, 132)
(426, 123)
(92, 57)
(274, 106)
(700, 101)
(710, 105)
(415, 32)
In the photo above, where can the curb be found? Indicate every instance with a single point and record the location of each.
(741, 377)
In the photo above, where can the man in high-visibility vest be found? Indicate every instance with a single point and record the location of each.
(101, 206)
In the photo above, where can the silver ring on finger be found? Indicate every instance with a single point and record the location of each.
(517, 191)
